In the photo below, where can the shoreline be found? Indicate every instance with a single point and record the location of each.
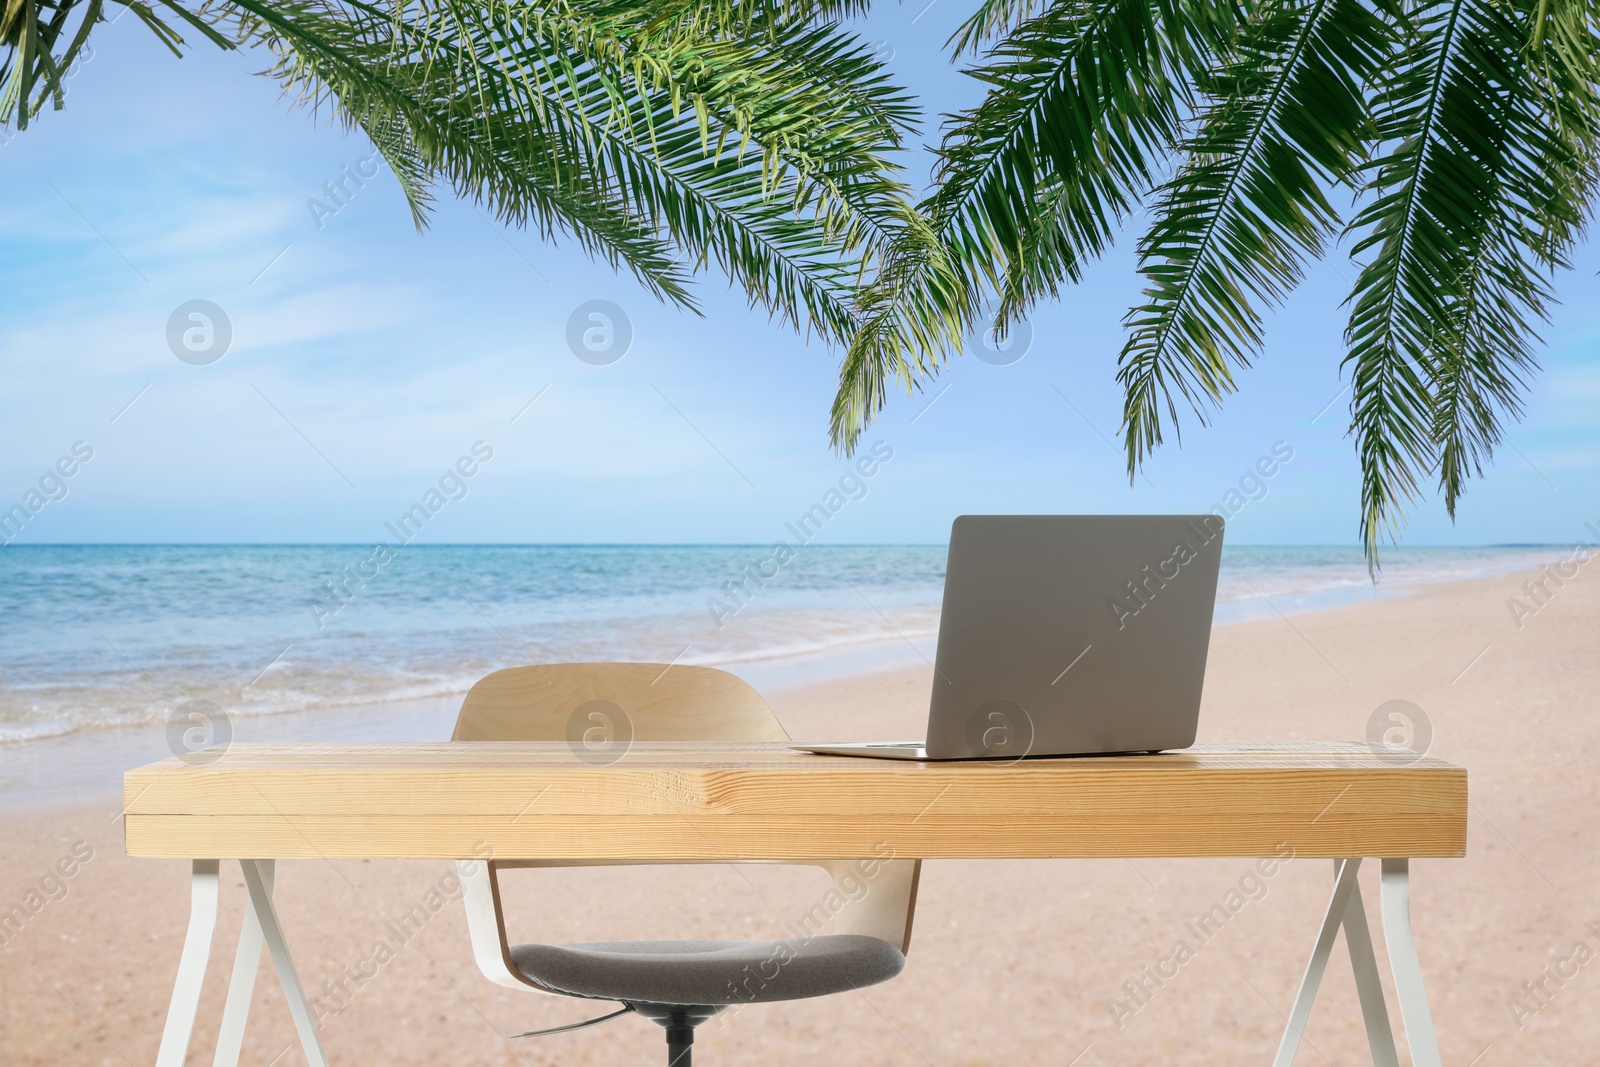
(32, 779)
(69, 679)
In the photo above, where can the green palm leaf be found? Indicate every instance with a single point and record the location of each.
(729, 152)
(1466, 131)
(1084, 99)
(1089, 95)
(1482, 184)
(664, 137)
(32, 72)
(1248, 205)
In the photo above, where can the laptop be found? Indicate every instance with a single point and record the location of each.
(1067, 635)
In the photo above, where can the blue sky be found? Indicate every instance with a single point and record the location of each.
(366, 359)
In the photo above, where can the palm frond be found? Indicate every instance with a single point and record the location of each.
(1089, 93)
(32, 72)
(1084, 100)
(992, 18)
(1483, 182)
(913, 312)
(738, 19)
(663, 135)
(656, 143)
(1249, 204)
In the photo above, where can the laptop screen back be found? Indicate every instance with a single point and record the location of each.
(1068, 634)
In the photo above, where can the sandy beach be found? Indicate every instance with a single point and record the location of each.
(1013, 964)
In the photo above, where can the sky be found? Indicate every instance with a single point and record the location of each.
(366, 360)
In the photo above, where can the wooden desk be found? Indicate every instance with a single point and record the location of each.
(725, 801)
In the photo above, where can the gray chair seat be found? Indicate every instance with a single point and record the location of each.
(711, 972)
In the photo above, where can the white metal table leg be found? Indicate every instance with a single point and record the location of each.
(272, 934)
(1374, 1012)
(246, 961)
(1338, 905)
(191, 965)
(1395, 891)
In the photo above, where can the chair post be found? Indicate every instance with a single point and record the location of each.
(679, 1021)
(680, 1039)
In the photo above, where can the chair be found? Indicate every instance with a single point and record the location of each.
(677, 984)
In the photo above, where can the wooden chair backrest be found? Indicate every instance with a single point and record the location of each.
(662, 702)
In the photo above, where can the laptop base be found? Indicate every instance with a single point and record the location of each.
(912, 750)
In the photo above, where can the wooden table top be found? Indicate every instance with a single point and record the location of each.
(724, 801)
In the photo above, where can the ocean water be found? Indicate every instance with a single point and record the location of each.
(102, 636)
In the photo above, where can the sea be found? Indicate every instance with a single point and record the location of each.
(98, 638)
